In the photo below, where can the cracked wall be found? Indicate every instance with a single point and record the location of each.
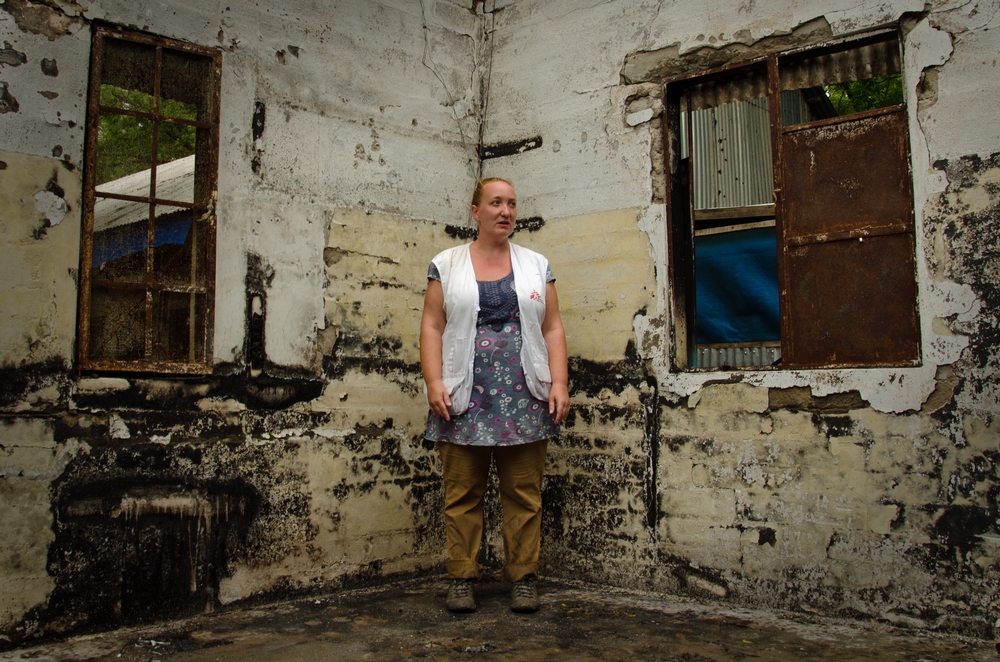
(298, 465)
(350, 141)
(866, 493)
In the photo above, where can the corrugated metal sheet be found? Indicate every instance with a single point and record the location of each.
(732, 155)
(732, 145)
(737, 357)
(856, 63)
(794, 109)
(749, 84)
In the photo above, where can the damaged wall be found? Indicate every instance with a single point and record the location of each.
(299, 463)
(41, 259)
(868, 493)
(351, 136)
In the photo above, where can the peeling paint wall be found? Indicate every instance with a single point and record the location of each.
(868, 493)
(351, 137)
(39, 239)
(299, 464)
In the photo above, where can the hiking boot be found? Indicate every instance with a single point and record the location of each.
(524, 596)
(460, 599)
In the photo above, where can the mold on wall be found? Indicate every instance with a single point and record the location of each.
(851, 492)
(854, 508)
(157, 514)
(962, 226)
(351, 137)
(29, 460)
(298, 465)
(40, 202)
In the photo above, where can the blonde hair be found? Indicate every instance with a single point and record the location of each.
(477, 193)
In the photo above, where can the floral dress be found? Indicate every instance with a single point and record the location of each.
(502, 411)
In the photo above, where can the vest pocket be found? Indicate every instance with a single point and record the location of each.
(450, 346)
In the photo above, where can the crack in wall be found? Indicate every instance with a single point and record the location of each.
(453, 102)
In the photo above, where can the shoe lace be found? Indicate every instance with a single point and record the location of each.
(460, 588)
(524, 589)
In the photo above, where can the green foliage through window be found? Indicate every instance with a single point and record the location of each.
(124, 142)
(861, 95)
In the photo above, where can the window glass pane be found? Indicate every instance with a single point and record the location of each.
(129, 67)
(204, 167)
(178, 327)
(117, 324)
(840, 82)
(175, 171)
(120, 253)
(124, 154)
(179, 248)
(736, 282)
(185, 87)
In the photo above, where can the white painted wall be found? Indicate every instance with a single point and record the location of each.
(372, 117)
(593, 160)
(369, 104)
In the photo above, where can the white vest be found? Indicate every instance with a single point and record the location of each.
(461, 307)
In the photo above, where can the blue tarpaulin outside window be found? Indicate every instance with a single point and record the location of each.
(736, 276)
(118, 242)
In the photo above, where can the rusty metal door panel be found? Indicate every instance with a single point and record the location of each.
(849, 294)
(853, 302)
(847, 179)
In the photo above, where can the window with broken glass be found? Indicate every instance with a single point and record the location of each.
(147, 270)
(790, 211)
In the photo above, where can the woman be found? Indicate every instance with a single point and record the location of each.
(493, 354)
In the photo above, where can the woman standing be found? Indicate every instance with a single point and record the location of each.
(493, 354)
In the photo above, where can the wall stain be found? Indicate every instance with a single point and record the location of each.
(531, 224)
(44, 19)
(16, 382)
(833, 426)
(11, 57)
(257, 131)
(146, 532)
(8, 104)
(459, 232)
(509, 148)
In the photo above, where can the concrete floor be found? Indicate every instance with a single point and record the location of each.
(408, 621)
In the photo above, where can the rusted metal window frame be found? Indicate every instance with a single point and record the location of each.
(210, 171)
(680, 214)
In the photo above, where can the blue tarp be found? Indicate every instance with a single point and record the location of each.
(121, 241)
(736, 277)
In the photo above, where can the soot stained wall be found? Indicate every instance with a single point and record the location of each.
(866, 493)
(350, 141)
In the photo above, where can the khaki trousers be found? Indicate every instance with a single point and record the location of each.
(465, 472)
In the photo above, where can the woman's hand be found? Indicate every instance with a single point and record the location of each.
(438, 399)
(559, 402)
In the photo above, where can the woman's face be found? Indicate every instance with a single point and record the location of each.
(496, 211)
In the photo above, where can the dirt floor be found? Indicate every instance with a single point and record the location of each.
(408, 621)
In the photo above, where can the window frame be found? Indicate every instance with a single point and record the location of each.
(681, 215)
(203, 209)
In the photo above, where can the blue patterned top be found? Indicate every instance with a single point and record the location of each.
(502, 411)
